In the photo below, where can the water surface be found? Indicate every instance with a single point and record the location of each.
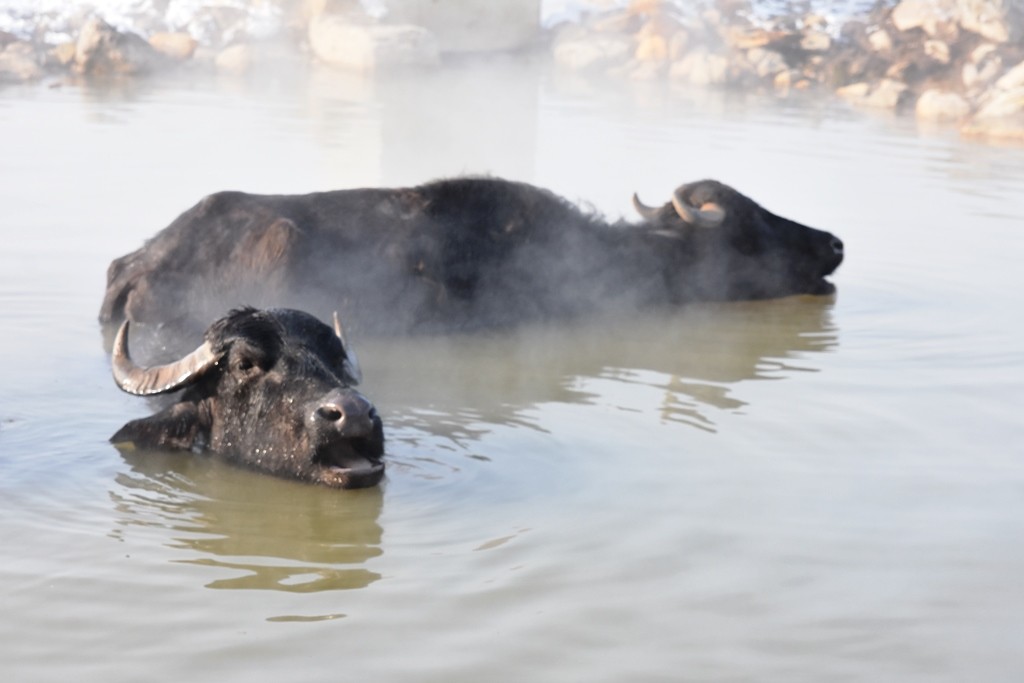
(807, 489)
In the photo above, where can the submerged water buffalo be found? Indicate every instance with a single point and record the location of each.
(464, 252)
(266, 389)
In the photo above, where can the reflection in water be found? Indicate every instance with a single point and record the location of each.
(459, 387)
(441, 397)
(267, 533)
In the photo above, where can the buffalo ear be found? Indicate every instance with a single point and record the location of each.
(122, 278)
(177, 427)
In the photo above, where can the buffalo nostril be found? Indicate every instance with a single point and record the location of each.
(837, 245)
(345, 413)
(330, 413)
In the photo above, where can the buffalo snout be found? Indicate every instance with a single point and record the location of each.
(344, 412)
(348, 439)
(831, 253)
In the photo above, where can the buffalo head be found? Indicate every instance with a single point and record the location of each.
(267, 389)
(728, 247)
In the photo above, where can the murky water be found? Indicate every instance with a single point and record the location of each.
(796, 490)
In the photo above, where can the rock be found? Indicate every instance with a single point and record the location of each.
(63, 54)
(219, 24)
(790, 79)
(997, 130)
(982, 68)
(1000, 117)
(923, 14)
(652, 48)
(678, 45)
(592, 52)
(982, 52)
(815, 41)
(939, 105)
(886, 94)
(18, 63)
(234, 60)
(937, 50)
(743, 38)
(854, 92)
(997, 20)
(1012, 79)
(370, 47)
(701, 67)
(880, 40)
(102, 50)
(177, 46)
(815, 21)
(766, 63)
(1002, 104)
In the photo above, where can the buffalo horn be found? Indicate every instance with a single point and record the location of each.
(646, 212)
(158, 379)
(351, 362)
(710, 215)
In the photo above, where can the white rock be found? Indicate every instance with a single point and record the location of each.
(993, 19)
(368, 47)
(1000, 130)
(177, 46)
(981, 52)
(880, 40)
(937, 50)
(983, 68)
(235, 59)
(102, 49)
(855, 92)
(1013, 78)
(938, 105)
(766, 62)
(1001, 114)
(18, 63)
(700, 67)
(1003, 104)
(886, 94)
(815, 41)
(925, 14)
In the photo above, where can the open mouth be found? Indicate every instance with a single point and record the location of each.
(353, 463)
(822, 286)
(818, 283)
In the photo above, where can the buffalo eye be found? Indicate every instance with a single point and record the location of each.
(247, 362)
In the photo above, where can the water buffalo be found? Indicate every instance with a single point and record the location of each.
(464, 252)
(266, 389)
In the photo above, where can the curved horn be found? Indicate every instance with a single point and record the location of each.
(646, 212)
(158, 379)
(351, 364)
(710, 215)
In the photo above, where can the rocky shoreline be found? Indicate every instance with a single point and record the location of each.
(952, 62)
